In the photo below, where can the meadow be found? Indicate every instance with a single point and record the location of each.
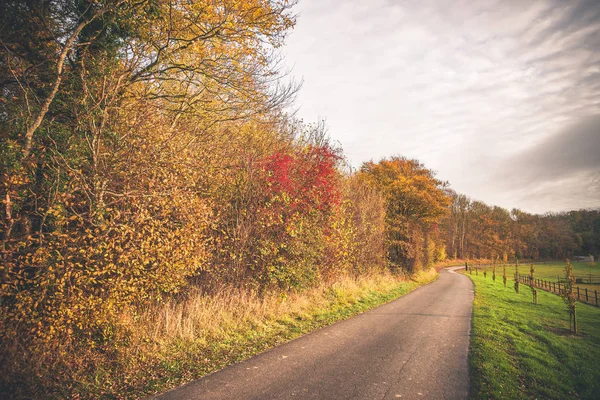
(587, 276)
(524, 351)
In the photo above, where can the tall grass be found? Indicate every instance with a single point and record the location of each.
(162, 346)
(200, 315)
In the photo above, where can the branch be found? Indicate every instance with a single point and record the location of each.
(59, 75)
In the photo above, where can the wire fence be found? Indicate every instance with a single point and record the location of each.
(584, 295)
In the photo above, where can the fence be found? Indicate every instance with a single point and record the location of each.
(583, 295)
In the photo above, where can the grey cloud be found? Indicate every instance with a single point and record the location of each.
(573, 150)
(573, 16)
(560, 173)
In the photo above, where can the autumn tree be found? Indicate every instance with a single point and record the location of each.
(110, 116)
(368, 212)
(455, 225)
(532, 283)
(415, 201)
(569, 295)
(517, 278)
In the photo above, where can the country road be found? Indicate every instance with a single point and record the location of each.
(414, 347)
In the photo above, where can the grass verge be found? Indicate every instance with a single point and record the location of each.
(160, 348)
(524, 351)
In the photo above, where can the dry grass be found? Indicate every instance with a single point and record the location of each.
(166, 345)
(202, 316)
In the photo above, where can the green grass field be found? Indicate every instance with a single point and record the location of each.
(551, 271)
(524, 351)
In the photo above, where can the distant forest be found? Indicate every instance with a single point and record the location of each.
(474, 229)
(145, 149)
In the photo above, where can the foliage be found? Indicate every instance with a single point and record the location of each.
(415, 201)
(368, 212)
(532, 283)
(474, 229)
(569, 296)
(301, 192)
(516, 278)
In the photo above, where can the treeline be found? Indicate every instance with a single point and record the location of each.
(473, 229)
(144, 150)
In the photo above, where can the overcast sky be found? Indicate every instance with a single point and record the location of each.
(501, 98)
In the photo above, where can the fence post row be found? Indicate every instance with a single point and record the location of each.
(555, 287)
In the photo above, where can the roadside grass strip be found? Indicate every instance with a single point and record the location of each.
(524, 351)
(186, 360)
(182, 341)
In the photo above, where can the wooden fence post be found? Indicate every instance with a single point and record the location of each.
(578, 296)
(596, 292)
(586, 296)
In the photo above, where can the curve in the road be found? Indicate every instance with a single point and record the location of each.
(414, 347)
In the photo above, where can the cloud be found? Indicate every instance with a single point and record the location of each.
(560, 172)
(573, 150)
(460, 85)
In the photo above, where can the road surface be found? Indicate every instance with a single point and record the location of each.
(415, 347)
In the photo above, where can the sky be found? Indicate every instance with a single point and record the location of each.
(500, 98)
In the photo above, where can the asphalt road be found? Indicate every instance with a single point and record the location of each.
(412, 348)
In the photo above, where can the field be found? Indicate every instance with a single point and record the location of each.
(552, 271)
(524, 351)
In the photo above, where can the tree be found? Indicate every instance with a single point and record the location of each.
(111, 115)
(415, 201)
(517, 276)
(569, 296)
(532, 283)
